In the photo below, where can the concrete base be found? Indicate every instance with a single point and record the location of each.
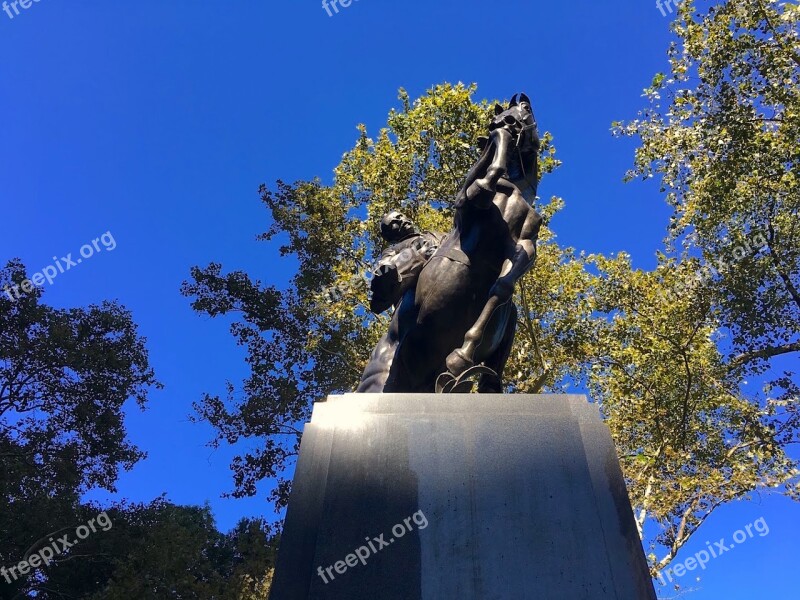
(506, 497)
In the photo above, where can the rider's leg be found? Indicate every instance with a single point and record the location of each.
(380, 362)
(443, 310)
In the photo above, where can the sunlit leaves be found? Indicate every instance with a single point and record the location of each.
(722, 133)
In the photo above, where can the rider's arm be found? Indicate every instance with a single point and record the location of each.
(385, 283)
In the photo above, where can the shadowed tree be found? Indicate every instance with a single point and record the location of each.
(65, 375)
(159, 550)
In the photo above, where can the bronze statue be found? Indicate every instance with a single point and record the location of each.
(393, 278)
(401, 263)
(458, 322)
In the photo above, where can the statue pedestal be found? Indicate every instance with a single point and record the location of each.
(508, 497)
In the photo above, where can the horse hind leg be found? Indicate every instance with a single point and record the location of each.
(380, 362)
(493, 384)
(377, 370)
(405, 374)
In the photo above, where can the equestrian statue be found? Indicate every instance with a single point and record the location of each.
(454, 319)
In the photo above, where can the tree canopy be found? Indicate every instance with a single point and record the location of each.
(721, 133)
(65, 376)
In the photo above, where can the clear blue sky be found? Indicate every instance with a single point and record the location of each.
(158, 120)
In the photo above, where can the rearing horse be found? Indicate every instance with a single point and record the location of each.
(460, 314)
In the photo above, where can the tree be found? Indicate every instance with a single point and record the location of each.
(724, 146)
(689, 435)
(159, 550)
(726, 150)
(65, 375)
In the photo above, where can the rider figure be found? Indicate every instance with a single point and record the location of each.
(399, 266)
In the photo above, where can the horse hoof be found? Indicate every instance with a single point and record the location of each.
(458, 362)
(447, 384)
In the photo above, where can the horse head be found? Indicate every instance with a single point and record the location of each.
(518, 119)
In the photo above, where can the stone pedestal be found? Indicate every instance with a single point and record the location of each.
(459, 497)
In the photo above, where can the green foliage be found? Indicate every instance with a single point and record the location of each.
(721, 132)
(689, 435)
(64, 377)
(159, 550)
(725, 146)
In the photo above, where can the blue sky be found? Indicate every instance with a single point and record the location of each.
(157, 121)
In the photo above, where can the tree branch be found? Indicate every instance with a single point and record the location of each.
(794, 55)
(787, 281)
(747, 357)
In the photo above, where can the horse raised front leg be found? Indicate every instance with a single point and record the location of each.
(487, 185)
